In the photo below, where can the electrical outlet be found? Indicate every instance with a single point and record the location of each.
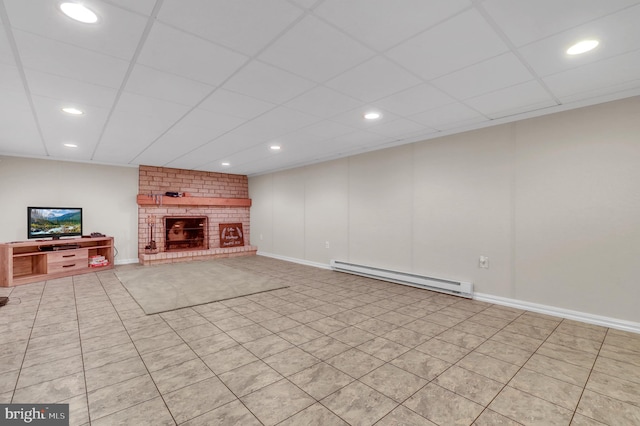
(483, 262)
(260, 237)
(326, 244)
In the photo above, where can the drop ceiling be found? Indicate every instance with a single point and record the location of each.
(196, 83)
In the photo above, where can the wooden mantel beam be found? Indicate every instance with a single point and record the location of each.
(163, 200)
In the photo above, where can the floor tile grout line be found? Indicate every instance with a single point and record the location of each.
(139, 355)
(84, 374)
(26, 349)
(584, 388)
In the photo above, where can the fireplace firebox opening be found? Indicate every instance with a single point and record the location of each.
(186, 233)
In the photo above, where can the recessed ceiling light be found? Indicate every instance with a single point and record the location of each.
(79, 13)
(226, 164)
(70, 145)
(372, 115)
(275, 147)
(582, 47)
(72, 111)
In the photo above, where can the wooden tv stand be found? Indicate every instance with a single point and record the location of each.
(24, 262)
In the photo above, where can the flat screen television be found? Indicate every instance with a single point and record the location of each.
(54, 222)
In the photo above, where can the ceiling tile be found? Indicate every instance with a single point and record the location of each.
(306, 4)
(304, 153)
(163, 112)
(374, 79)
(243, 25)
(263, 164)
(315, 50)
(59, 127)
(594, 77)
(81, 153)
(227, 102)
(525, 22)
(311, 148)
(249, 155)
(419, 136)
(512, 100)
(376, 22)
(125, 137)
(448, 46)
(415, 99)
(399, 128)
(617, 33)
(360, 138)
(73, 91)
(278, 161)
(6, 54)
(46, 55)
(355, 117)
(493, 74)
(296, 146)
(196, 129)
(135, 123)
(226, 145)
(19, 134)
(267, 83)
(10, 77)
(323, 102)
(449, 117)
(258, 132)
(152, 83)
(314, 134)
(177, 52)
(144, 7)
(117, 32)
(277, 122)
(603, 94)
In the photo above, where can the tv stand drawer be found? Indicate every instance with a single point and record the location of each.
(69, 256)
(54, 268)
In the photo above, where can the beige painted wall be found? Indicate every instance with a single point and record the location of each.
(106, 194)
(553, 201)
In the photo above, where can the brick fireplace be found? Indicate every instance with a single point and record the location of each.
(186, 227)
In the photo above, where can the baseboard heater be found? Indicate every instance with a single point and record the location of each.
(457, 288)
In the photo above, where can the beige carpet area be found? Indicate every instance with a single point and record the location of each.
(162, 288)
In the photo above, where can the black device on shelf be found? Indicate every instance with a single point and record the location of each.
(59, 247)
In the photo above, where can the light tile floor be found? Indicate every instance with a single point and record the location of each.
(331, 349)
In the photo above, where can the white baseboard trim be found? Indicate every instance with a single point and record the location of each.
(126, 261)
(294, 260)
(615, 323)
(618, 324)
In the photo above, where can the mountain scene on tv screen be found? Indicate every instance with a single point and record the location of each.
(55, 221)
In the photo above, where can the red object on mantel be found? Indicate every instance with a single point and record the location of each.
(146, 200)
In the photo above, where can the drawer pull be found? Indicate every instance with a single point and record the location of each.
(69, 255)
(68, 266)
